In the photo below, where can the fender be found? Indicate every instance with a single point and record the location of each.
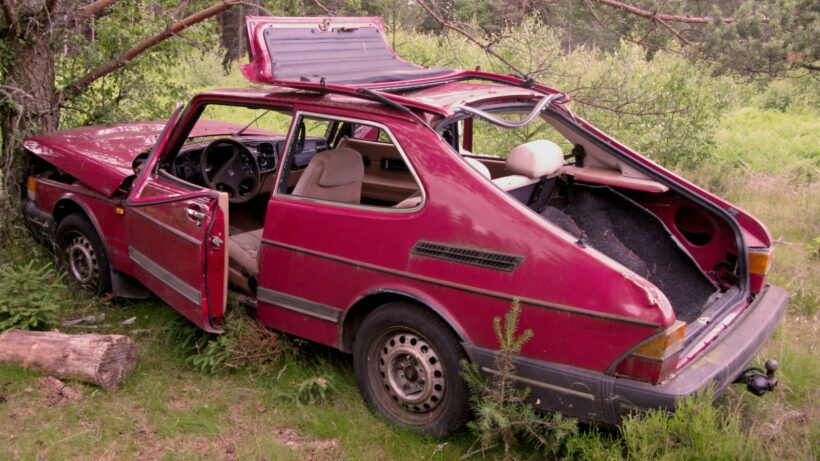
(393, 292)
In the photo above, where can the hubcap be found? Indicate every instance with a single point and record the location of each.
(82, 260)
(411, 372)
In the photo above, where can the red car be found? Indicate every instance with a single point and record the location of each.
(392, 211)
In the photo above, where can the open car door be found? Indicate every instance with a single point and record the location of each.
(176, 240)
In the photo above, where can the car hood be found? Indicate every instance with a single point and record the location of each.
(102, 156)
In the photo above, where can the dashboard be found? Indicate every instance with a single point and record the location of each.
(267, 151)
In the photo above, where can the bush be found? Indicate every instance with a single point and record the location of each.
(30, 297)
(696, 431)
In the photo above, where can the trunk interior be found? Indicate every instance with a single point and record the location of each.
(622, 228)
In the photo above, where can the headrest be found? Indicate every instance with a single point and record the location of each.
(535, 159)
(341, 166)
(478, 166)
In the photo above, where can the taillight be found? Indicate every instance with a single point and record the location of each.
(31, 185)
(656, 359)
(760, 261)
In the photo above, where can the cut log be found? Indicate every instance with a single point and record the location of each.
(104, 360)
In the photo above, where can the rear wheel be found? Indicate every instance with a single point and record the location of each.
(407, 364)
(81, 253)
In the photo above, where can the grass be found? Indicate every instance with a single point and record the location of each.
(772, 141)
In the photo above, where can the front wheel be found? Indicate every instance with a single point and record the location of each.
(82, 255)
(407, 364)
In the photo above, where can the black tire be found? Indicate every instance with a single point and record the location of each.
(81, 253)
(407, 364)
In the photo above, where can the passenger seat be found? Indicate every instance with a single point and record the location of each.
(532, 165)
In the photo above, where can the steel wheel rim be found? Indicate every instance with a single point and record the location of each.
(407, 375)
(82, 260)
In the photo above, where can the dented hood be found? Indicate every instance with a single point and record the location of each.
(101, 156)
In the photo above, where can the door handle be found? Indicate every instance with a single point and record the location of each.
(196, 215)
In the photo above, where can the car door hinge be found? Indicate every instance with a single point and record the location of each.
(216, 243)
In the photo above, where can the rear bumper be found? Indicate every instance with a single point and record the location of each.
(598, 397)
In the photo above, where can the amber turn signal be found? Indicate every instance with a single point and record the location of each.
(31, 185)
(760, 260)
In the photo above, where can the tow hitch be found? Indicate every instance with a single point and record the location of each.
(758, 383)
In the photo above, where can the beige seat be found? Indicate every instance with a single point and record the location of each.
(243, 259)
(530, 162)
(333, 175)
(478, 166)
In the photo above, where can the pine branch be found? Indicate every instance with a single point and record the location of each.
(660, 16)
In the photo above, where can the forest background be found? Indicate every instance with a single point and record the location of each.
(726, 93)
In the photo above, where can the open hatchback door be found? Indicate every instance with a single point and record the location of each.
(342, 50)
(176, 234)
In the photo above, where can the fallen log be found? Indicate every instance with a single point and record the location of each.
(104, 360)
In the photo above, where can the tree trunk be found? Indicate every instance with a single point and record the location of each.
(28, 106)
(104, 360)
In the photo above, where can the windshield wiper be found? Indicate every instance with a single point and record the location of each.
(239, 133)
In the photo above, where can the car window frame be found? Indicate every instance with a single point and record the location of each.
(285, 163)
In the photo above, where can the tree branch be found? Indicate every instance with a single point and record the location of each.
(93, 8)
(663, 17)
(79, 85)
(324, 8)
(486, 47)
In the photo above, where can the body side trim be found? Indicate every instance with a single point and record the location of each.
(299, 305)
(190, 293)
(532, 382)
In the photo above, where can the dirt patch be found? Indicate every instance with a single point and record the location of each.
(179, 404)
(318, 449)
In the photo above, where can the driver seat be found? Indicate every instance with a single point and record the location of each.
(333, 175)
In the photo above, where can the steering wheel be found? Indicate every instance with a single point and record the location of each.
(234, 171)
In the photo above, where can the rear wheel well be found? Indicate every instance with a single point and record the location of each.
(361, 309)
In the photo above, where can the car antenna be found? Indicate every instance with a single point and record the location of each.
(239, 133)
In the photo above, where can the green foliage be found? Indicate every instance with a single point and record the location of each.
(771, 141)
(764, 38)
(142, 90)
(502, 415)
(696, 431)
(663, 107)
(311, 390)
(813, 247)
(245, 344)
(30, 297)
